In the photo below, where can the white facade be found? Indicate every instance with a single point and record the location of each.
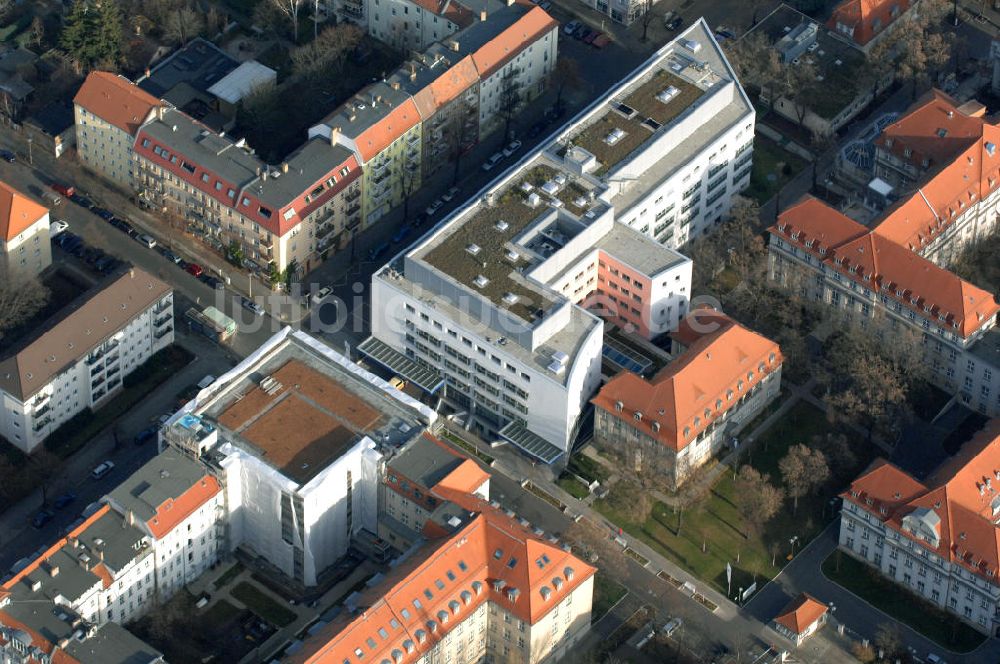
(300, 530)
(970, 596)
(27, 253)
(89, 381)
(405, 25)
(526, 73)
(104, 147)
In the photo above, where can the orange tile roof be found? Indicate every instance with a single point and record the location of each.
(17, 212)
(101, 570)
(380, 135)
(172, 512)
(456, 80)
(492, 557)
(801, 613)
(116, 100)
(468, 477)
(89, 521)
(868, 18)
(698, 387)
(453, 11)
(961, 493)
(878, 263)
(497, 52)
(933, 129)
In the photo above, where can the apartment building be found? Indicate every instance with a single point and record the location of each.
(625, 12)
(722, 376)
(295, 434)
(885, 286)
(291, 214)
(77, 359)
(863, 22)
(394, 126)
(480, 585)
(502, 305)
(413, 25)
(24, 235)
(672, 144)
(108, 111)
(936, 538)
(67, 605)
(411, 476)
(180, 509)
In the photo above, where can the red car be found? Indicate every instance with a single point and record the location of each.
(600, 41)
(194, 269)
(64, 189)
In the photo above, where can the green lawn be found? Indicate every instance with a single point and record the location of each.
(573, 486)
(262, 604)
(607, 593)
(940, 626)
(228, 576)
(712, 534)
(219, 616)
(769, 158)
(78, 430)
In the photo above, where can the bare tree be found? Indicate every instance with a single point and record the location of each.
(801, 88)
(183, 24)
(647, 18)
(460, 134)
(20, 299)
(328, 50)
(889, 640)
(803, 470)
(566, 74)
(630, 499)
(759, 500)
(288, 9)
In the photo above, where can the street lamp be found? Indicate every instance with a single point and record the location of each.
(792, 541)
(31, 140)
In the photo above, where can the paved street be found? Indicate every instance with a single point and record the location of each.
(19, 539)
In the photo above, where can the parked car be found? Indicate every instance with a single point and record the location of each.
(92, 254)
(601, 41)
(57, 226)
(377, 251)
(42, 518)
(672, 20)
(64, 189)
(722, 33)
(545, 5)
(512, 148)
(8, 156)
(64, 500)
(570, 27)
(213, 282)
(450, 194)
(432, 209)
(106, 215)
(250, 305)
(583, 34)
(594, 34)
(321, 294)
(493, 161)
(401, 233)
(146, 435)
(672, 626)
(102, 469)
(82, 201)
(52, 198)
(106, 263)
(147, 240)
(194, 269)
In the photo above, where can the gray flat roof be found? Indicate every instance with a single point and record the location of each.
(166, 476)
(988, 347)
(425, 461)
(236, 84)
(113, 644)
(199, 63)
(639, 250)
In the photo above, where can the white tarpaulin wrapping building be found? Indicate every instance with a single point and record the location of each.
(297, 432)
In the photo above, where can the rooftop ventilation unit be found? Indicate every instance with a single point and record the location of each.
(557, 368)
(481, 281)
(501, 225)
(691, 45)
(616, 135)
(560, 357)
(668, 94)
(512, 255)
(473, 249)
(510, 298)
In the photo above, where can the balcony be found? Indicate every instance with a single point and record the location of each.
(413, 139)
(112, 371)
(352, 195)
(96, 383)
(163, 306)
(42, 411)
(353, 209)
(160, 321)
(112, 359)
(94, 358)
(159, 334)
(41, 423)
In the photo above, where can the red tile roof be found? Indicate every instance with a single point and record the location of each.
(17, 212)
(492, 557)
(172, 512)
(380, 135)
(934, 130)
(801, 613)
(962, 494)
(867, 18)
(116, 100)
(877, 262)
(56, 655)
(500, 50)
(725, 362)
